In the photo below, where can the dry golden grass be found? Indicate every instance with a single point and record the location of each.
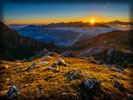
(54, 82)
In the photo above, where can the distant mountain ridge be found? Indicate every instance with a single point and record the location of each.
(118, 22)
(70, 24)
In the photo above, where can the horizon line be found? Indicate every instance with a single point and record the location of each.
(64, 22)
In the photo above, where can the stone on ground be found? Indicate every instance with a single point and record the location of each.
(61, 61)
(13, 92)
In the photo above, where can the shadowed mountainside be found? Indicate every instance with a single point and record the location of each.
(14, 46)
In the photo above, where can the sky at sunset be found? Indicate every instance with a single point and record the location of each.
(45, 13)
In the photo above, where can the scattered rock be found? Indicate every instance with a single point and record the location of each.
(85, 51)
(54, 65)
(65, 94)
(31, 58)
(43, 52)
(84, 58)
(91, 58)
(44, 62)
(117, 66)
(118, 77)
(110, 51)
(52, 54)
(103, 66)
(75, 96)
(118, 84)
(13, 92)
(31, 67)
(7, 79)
(120, 71)
(24, 86)
(108, 59)
(61, 61)
(56, 70)
(48, 68)
(98, 50)
(68, 54)
(90, 83)
(74, 74)
(130, 97)
(72, 96)
(33, 64)
(88, 58)
(40, 90)
(110, 66)
(100, 62)
(46, 57)
(18, 64)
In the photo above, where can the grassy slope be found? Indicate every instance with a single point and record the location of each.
(55, 83)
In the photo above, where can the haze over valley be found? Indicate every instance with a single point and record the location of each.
(66, 34)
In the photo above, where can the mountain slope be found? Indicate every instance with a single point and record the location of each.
(118, 22)
(14, 46)
(121, 39)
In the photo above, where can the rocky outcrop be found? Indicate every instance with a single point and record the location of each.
(61, 61)
(73, 96)
(42, 52)
(31, 67)
(90, 83)
(43, 62)
(120, 71)
(40, 90)
(52, 54)
(110, 51)
(73, 74)
(69, 54)
(53, 65)
(46, 57)
(118, 84)
(13, 92)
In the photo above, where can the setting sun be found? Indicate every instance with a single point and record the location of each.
(92, 21)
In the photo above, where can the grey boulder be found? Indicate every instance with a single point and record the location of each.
(90, 83)
(61, 61)
(13, 92)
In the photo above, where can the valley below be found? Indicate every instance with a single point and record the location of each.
(66, 34)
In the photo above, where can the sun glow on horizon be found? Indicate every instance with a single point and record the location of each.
(92, 21)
